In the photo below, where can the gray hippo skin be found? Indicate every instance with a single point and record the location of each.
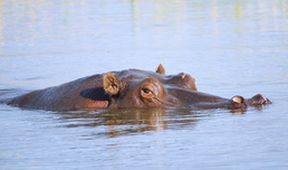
(130, 89)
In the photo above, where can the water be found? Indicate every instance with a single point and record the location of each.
(230, 47)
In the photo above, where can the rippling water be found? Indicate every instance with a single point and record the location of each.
(230, 47)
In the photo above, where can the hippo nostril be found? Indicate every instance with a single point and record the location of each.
(238, 99)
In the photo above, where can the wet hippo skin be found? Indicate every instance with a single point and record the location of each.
(130, 88)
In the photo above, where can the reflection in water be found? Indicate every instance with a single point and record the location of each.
(178, 14)
(132, 121)
(45, 22)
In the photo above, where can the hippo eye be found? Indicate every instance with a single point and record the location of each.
(146, 91)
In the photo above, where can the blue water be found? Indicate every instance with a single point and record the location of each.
(230, 47)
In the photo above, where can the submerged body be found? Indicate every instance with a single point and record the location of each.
(130, 89)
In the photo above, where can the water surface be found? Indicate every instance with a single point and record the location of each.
(230, 47)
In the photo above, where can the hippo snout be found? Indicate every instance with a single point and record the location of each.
(256, 101)
(259, 99)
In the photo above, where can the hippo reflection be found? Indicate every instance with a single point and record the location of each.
(130, 121)
(130, 89)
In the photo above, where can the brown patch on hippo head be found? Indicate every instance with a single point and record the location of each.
(160, 69)
(111, 84)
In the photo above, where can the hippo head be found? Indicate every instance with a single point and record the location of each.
(143, 89)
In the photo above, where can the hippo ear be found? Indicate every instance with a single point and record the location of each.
(111, 84)
(160, 69)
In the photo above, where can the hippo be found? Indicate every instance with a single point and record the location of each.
(131, 88)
